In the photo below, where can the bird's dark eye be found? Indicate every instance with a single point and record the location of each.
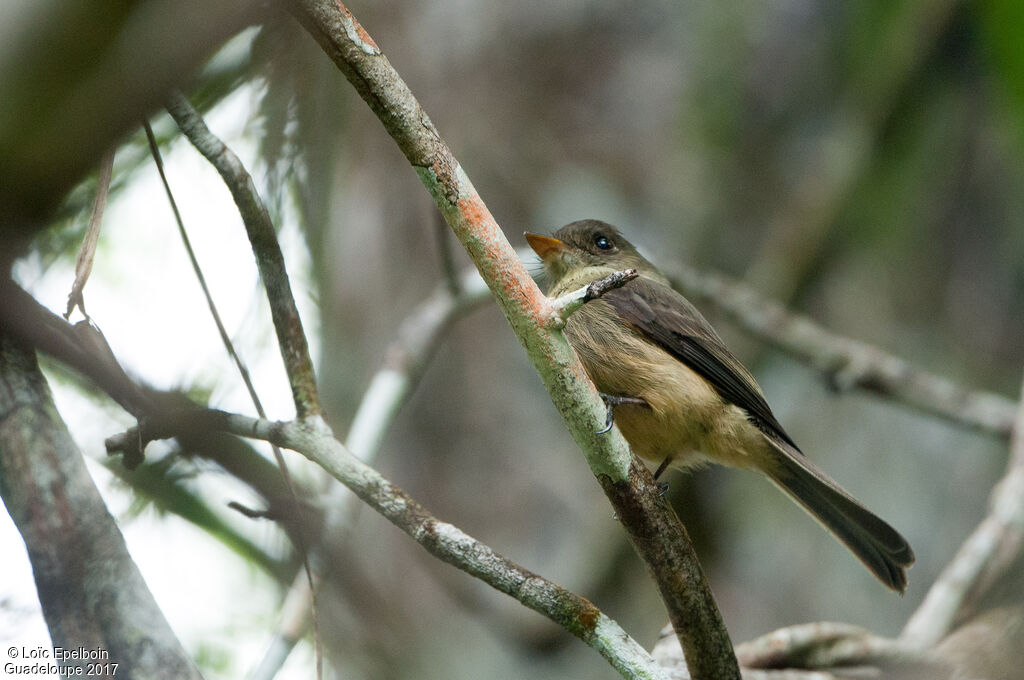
(602, 242)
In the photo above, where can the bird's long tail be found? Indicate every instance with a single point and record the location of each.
(880, 547)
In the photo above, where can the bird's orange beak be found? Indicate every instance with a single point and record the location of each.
(545, 246)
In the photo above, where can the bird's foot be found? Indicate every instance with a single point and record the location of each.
(611, 401)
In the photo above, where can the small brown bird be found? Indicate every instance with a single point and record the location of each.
(682, 399)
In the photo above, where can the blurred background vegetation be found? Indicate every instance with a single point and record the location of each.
(861, 162)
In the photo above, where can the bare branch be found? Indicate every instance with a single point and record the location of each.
(405, 361)
(650, 522)
(845, 362)
(983, 553)
(91, 591)
(811, 651)
(313, 439)
(575, 613)
(80, 346)
(822, 645)
(566, 305)
(269, 258)
(225, 339)
(83, 263)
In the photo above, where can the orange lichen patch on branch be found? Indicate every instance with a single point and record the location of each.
(356, 31)
(580, 373)
(501, 258)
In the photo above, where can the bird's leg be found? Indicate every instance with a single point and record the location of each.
(663, 486)
(662, 467)
(611, 401)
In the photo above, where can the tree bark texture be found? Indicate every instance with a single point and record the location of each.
(93, 597)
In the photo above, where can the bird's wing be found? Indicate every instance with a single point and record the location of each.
(665, 317)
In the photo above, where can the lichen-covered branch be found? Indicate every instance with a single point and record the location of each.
(847, 363)
(994, 545)
(566, 305)
(269, 258)
(811, 651)
(80, 346)
(649, 521)
(313, 438)
(291, 338)
(406, 358)
(985, 563)
(91, 592)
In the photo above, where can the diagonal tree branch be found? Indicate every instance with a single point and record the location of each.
(270, 261)
(269, 258)
(80, 346)
(91, 591)
(649, 521)
(313, 438)
(168, 415)
(406, 359)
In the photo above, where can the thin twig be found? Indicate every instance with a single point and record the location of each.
(83, 263)
(170, 493)
(813, 650)
(313, 438)
(405, 361)
(243, 370)
(252, 513)
(979, 555)
(222, 331)
(269, 258)
(824, 645)
(651, 524)
(566, 305)
(848, 363)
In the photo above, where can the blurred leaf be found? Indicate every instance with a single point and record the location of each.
(226, 70)
(302, 116)
(163, 484)
(1001, 28)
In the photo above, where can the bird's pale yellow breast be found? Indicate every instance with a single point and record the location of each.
(685, 419)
